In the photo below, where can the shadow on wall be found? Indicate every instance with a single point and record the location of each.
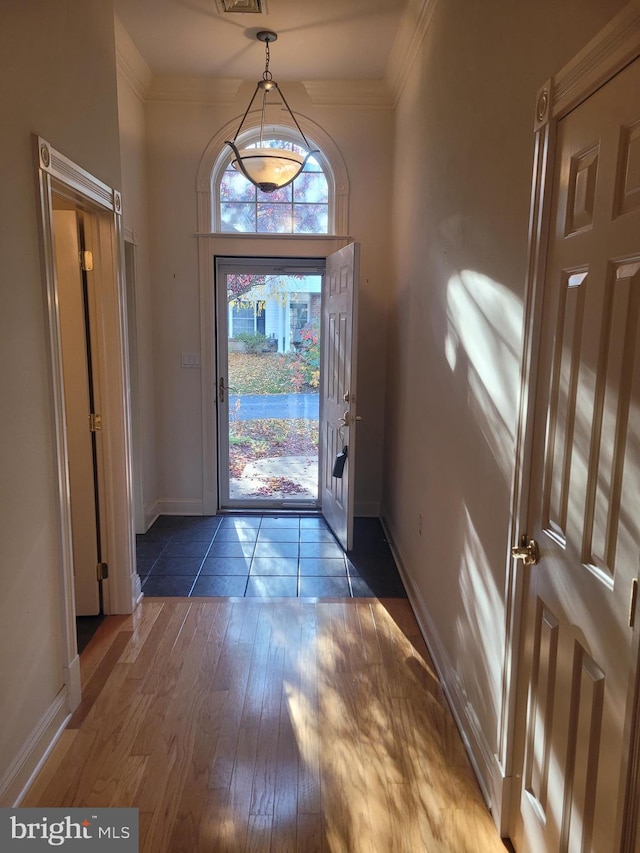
(485, 322)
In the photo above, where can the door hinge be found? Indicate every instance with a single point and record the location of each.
(633, 600)
(86, 261)
(95, 422)
(102, 571)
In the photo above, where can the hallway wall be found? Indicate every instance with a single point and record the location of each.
(134, 77)
(179, 131)
(57, 80)
(463, 155)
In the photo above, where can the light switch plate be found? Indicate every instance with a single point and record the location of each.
(191, 359)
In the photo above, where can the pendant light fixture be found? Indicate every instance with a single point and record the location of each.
(267, 168)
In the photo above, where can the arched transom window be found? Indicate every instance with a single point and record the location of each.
(302, 207)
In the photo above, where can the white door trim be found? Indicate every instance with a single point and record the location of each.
(137, 414)
(210, 247)
(58, 174)
(604, 56)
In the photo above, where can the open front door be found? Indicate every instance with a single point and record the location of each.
(339, 400)
(585, 485)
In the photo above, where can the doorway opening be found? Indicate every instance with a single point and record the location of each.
(269, 381)
(92, 214)
(72, 228)
(300, 315)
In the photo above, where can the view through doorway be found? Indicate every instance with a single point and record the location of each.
(269, 380)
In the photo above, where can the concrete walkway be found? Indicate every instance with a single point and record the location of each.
(257, 478)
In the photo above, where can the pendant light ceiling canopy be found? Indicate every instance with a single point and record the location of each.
(267, 168)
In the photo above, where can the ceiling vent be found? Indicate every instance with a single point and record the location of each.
(253, 6)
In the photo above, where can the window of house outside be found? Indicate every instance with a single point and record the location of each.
(302, 207)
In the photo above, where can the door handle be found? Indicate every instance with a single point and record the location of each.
(221, 390)
(346, 420)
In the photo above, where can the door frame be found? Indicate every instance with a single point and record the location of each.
(58, 175)
(616, 46)
(130, 261)
(241, 246)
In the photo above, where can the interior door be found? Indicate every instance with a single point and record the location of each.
(585, 483)
(74, 342)
(339, 399)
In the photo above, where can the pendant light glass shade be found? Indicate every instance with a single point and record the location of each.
(269, 169)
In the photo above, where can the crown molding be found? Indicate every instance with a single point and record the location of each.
(380, 94)
(130, 63)
(355, 94)
(413, 28)
(613, 48)
(194, 90)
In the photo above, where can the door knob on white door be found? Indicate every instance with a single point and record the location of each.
(346, 420)
(527, 551)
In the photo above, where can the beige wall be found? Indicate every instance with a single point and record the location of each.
(133, 153)
(463, 161)
(178, 134)
(446, 249)
(57, 79)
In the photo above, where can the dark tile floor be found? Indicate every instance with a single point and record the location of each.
(86, 626)
(264, 555)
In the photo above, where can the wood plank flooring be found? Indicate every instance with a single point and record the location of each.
(269, 725)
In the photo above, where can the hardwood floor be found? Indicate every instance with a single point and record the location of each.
(269, 725)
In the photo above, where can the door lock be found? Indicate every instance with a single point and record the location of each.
(527, 551)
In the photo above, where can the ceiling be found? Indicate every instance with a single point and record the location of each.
(317, 39)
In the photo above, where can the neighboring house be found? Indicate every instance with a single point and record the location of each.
(278, 311)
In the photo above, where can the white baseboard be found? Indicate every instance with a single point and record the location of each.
(178, 506)
(136, 589)
(151, 513)
(73, 682)
(167, 506)
(485, 764)
(29, 760)
(367, 509)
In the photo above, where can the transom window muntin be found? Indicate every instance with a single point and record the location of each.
(301, 207)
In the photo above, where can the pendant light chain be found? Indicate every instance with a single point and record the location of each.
(266, 74)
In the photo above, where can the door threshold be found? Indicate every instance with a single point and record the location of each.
(311, 513)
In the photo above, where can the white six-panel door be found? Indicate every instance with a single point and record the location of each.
(339, 399)
(585, 483)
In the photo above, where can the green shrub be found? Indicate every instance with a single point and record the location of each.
(254, 343)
